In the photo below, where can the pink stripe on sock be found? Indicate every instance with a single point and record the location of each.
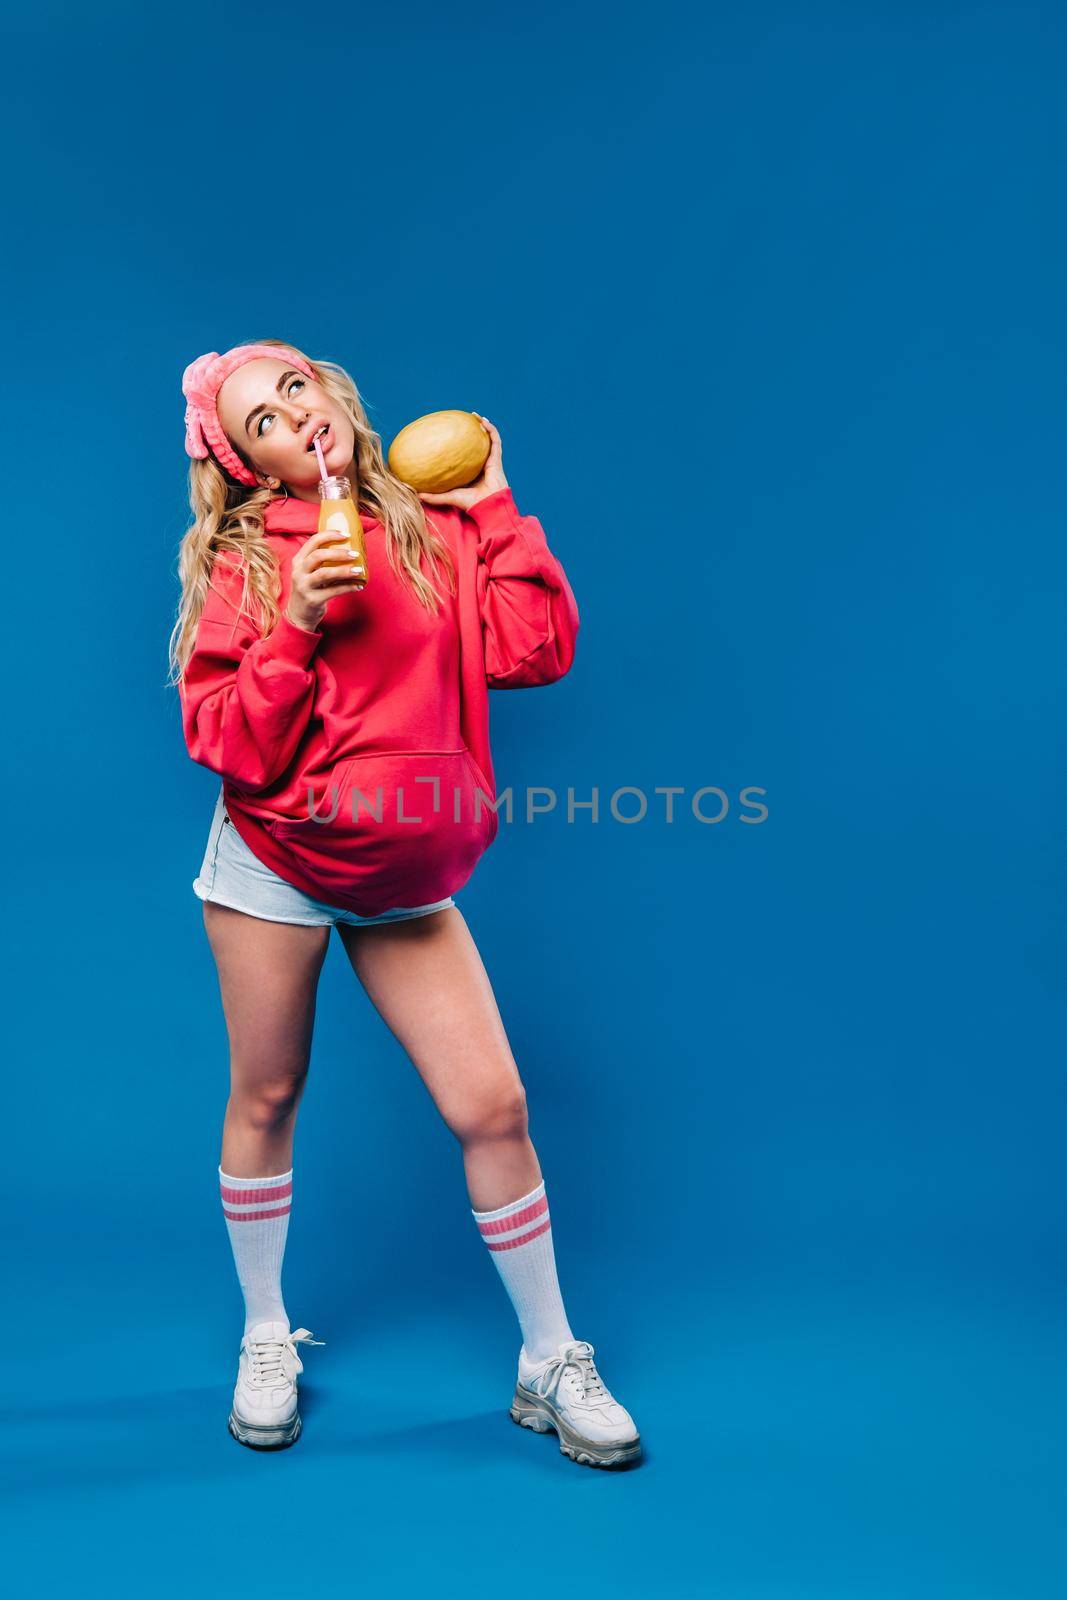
(259, 1216)
(510, 1244)
(239, 1197)
(515, 1219)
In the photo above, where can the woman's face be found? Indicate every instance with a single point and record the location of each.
(270, 413)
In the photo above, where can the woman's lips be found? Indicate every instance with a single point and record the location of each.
(325, 440)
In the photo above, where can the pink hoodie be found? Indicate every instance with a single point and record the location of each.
(355, 759)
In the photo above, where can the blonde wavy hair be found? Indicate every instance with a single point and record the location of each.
(228, 518)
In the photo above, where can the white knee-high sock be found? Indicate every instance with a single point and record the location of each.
(519, 1237)
(257, 1218)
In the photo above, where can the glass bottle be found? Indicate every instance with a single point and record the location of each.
(338, 512)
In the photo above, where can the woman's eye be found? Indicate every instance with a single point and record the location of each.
(266, 414)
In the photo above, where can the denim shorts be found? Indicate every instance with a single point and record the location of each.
(233, 875)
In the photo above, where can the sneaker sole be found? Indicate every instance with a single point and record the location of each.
(540, 1415)
(260, 1438)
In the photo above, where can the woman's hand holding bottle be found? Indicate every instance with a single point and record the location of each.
(317, 573)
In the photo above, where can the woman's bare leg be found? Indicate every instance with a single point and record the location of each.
(268, 978)
(427, 981)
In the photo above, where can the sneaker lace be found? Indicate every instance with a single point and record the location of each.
(273, 1361)
(574, 1365)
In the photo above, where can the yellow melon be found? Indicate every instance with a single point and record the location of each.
(440, 451)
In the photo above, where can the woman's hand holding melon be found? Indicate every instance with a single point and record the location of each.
(316, 574)
(489, 481)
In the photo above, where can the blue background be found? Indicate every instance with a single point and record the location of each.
(767, 303)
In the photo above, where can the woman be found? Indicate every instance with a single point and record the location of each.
(333, 700)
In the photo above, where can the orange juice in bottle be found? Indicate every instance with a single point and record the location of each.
(338, 512)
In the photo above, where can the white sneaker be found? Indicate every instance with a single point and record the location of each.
(264, 1412)
(566, 1392)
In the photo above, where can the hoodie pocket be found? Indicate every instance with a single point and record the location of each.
(392, 827)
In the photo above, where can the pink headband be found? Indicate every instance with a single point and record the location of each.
(201, 382)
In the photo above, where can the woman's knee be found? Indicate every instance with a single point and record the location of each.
(268, 1102)
(497, 1113)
